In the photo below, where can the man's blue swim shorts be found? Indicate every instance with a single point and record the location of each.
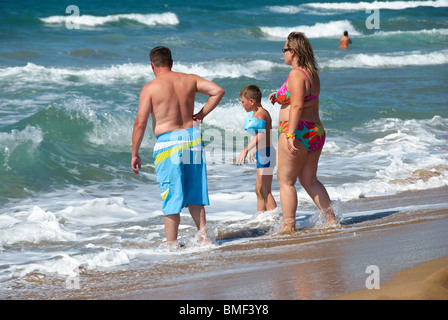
(179, 159)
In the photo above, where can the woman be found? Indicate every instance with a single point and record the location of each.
(302, 135)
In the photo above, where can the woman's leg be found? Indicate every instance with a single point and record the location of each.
(315, 189)
(288, 168)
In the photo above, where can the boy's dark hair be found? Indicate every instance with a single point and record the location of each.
(251, 92)
(346, 33)
(161, 56)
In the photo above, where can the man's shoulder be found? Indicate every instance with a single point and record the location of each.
(191, 76)
(151, 85)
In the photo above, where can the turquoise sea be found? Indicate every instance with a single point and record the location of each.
(70, 76)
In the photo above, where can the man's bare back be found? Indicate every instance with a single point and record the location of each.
(344, 41)
(171, 96)
(169, 99)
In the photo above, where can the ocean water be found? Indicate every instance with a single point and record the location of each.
(70, 82)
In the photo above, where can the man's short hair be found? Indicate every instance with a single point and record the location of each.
(346, 33)
(161, 56)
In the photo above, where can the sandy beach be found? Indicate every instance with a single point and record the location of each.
(426, 281)
(77, 224)
(409, 249)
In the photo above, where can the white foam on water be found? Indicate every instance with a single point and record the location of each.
(320, 8)
(318, 30)
(387, 60)
(125, 73)
(40, 226)
(99, 211)
(407, 156)
(389, 5)
(164, 19)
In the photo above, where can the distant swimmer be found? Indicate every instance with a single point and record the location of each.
(179, 151)
(344, 41)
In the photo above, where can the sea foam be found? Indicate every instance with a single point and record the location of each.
(128, 72)
(318, 30)
(390, 5)
(393, 59)
(168, 19)
(328, 8)
(38, 227)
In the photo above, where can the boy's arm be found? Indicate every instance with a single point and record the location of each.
(251, 145)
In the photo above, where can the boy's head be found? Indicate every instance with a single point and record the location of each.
(251, 92)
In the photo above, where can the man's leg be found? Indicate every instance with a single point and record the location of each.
(197, 212)
(171, 227)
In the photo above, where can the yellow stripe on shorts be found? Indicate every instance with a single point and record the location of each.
(168, 153)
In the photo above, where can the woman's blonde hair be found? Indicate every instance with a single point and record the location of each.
(299, 43)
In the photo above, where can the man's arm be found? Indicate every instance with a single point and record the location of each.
(215, 94)
(144, 110)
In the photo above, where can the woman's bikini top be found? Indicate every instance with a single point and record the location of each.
(252, 125)
(282, 96)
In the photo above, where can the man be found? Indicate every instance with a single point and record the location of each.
(178, 153)
(344, 41)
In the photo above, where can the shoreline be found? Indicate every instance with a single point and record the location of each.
(328, 268)
(311, 264)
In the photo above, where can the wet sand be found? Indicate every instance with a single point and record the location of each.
(327, 263)
(408, 246)
(333, 266)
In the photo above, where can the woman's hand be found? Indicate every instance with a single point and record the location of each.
(272, 97)
(291, 143)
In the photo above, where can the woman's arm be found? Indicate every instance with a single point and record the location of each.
(296, 87)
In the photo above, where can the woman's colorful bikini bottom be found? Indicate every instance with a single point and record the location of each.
(311, 134)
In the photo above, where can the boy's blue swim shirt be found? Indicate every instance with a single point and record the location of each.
(266, 158)
(181, 171)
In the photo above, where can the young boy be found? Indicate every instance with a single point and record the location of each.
(258, 123)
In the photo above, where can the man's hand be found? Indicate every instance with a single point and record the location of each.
(136, 163)
(198, 117)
